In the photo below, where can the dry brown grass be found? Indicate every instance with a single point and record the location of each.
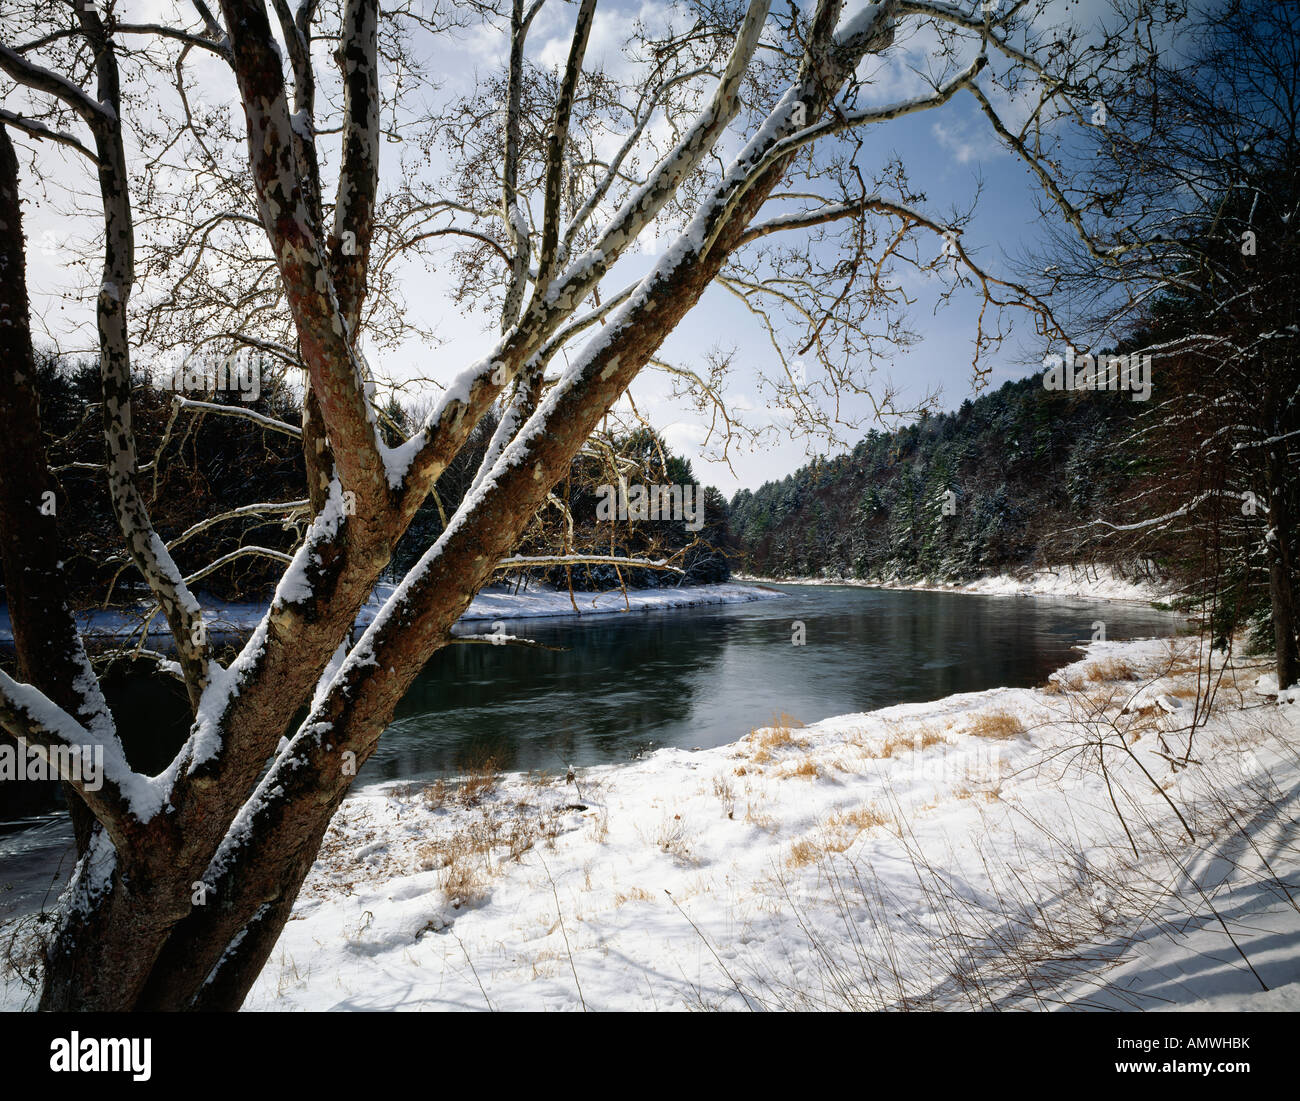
(600, 827)
(726, 794)
(1181, 657)
(632, 894)
(910, 741)
(479, 781)
(1075, 681)
(464, 884)
(804, 852)
(987, 794)
(837, 833)
(777, 735)
(468, 858)
(1109, 669)
(1098, 700)
(760, 819)
(898, 741)
(854, 822)
(998, 725)
(805, 770)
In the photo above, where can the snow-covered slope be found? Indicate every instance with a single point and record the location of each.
(1100, 583)
(1058, 847)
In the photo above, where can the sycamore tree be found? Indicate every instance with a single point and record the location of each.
(756, 141)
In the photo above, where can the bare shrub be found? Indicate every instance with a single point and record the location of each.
(481, 778)
(673, 838)
(726, 794)
(435, 794)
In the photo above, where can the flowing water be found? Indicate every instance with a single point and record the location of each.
(706, 676)
(624, 684)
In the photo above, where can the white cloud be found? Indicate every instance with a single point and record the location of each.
(962, 151)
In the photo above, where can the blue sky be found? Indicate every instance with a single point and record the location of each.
(947, 151)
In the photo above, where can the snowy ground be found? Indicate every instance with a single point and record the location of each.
(1098, 583)
(502, 603)
(492, 603)
(1011, 848)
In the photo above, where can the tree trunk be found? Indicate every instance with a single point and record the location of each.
(192, 874)
(1281, 570)
(45, 639)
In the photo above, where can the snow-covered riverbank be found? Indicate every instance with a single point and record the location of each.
(502, 603)
(1097, 583)
(1034, 848)
(492, 603)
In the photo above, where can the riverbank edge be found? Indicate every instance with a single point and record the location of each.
(1067, 582)
(386, 852)
(491, 603)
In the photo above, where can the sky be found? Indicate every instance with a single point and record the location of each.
(949, 151)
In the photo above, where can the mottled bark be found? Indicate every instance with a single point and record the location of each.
(354, 205)
(259, 875)
(150, 557)
(189, 911)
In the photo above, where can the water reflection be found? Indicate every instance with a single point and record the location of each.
(705, 677)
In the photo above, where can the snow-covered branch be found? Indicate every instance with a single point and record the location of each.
(94, 766)
(240, 412)
(45, 133)
(524, 560)
(247, 551)
(41, 79)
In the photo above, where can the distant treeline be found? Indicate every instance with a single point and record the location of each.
(1010, 480)
(196, 465)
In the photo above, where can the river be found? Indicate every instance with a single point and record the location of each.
(625, 684)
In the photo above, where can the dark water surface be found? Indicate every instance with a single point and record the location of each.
(706, 676)
(628, 683)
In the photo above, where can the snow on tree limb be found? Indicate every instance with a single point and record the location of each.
(240, 412)
(338, 381)
(41, 131)
(517, 560)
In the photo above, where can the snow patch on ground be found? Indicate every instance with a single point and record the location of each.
(1098, 583)
(501, 603)
(966, 853)
(493, 602)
